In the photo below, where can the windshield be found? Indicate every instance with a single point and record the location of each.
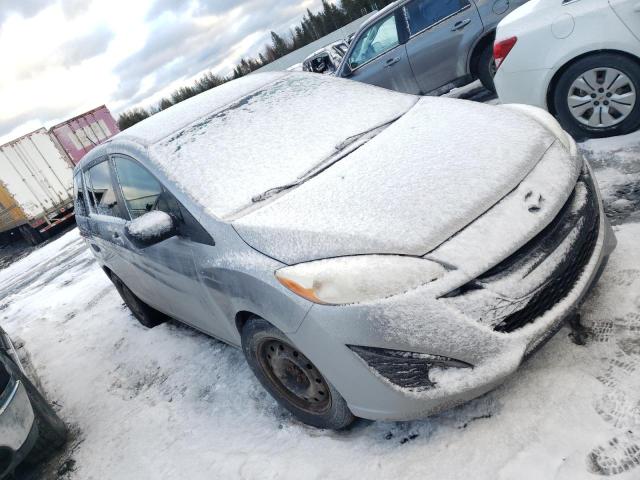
(272, 137)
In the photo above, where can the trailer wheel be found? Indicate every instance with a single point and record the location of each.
(31, 235)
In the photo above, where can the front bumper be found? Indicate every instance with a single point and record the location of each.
(416, 322)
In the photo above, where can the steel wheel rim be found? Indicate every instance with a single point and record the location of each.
(602, 98)
(294, 376)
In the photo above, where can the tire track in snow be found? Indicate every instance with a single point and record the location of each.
(620, 404)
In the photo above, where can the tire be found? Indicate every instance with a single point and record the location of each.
(146, 315)
(31, 235)
(486, 68)
(291, 379)
(52, 432)
(574, 76)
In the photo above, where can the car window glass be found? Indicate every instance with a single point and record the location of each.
(100, 189)
(80, 203)
(141, 191)
(380, 38)
(90, 201)
(422, 14)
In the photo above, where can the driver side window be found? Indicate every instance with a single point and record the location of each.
(380, 38)
(141, 191)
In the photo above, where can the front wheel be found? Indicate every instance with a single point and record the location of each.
(291, 378)
(597, 96)
(146, 315)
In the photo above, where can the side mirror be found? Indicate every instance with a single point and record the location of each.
(151, 228)
(347, 71)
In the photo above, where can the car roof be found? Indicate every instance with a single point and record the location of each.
(166, 122)
(162, 124)
(381, 13)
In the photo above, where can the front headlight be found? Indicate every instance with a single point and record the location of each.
(547, 120)
(340, 281)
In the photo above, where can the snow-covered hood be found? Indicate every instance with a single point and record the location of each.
(406, 191)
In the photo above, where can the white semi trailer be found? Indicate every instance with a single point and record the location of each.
(36, 185)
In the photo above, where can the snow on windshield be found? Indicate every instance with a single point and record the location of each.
(271, 137)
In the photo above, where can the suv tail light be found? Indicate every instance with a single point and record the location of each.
(502, 48)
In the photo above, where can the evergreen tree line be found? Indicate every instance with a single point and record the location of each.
(313, 26)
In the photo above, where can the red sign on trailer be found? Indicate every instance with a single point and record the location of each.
(80, 134)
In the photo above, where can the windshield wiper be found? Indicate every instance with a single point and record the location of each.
(344, 148)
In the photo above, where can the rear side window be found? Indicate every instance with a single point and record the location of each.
(102, 197)
(80, 202)
(141, 191)
(422, 14)
(380, 38)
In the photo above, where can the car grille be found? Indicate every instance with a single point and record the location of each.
(406, 369)
(567, 272)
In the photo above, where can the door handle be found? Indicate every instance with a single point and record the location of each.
(116, 235)
(392, 61)
(461, 24)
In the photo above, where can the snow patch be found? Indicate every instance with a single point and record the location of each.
(150, 225)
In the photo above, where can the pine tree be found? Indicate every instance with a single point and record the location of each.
(131, 117)
(280, 47)
(312, 27)
(164, 104)
(208, 81)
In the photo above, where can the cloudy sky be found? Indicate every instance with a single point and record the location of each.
(63, 57)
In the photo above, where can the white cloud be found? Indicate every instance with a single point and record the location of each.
(61, 57)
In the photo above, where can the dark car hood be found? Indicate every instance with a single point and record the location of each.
(406, 191)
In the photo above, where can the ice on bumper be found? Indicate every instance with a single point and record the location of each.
(541, 259)
(520, 289)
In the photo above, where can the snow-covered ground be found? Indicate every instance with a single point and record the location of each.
(172, 403)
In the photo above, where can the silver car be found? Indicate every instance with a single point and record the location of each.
(29, 428)
(369, 260)
(327, 59)
(427, 46)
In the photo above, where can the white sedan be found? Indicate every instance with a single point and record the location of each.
(578, 59)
